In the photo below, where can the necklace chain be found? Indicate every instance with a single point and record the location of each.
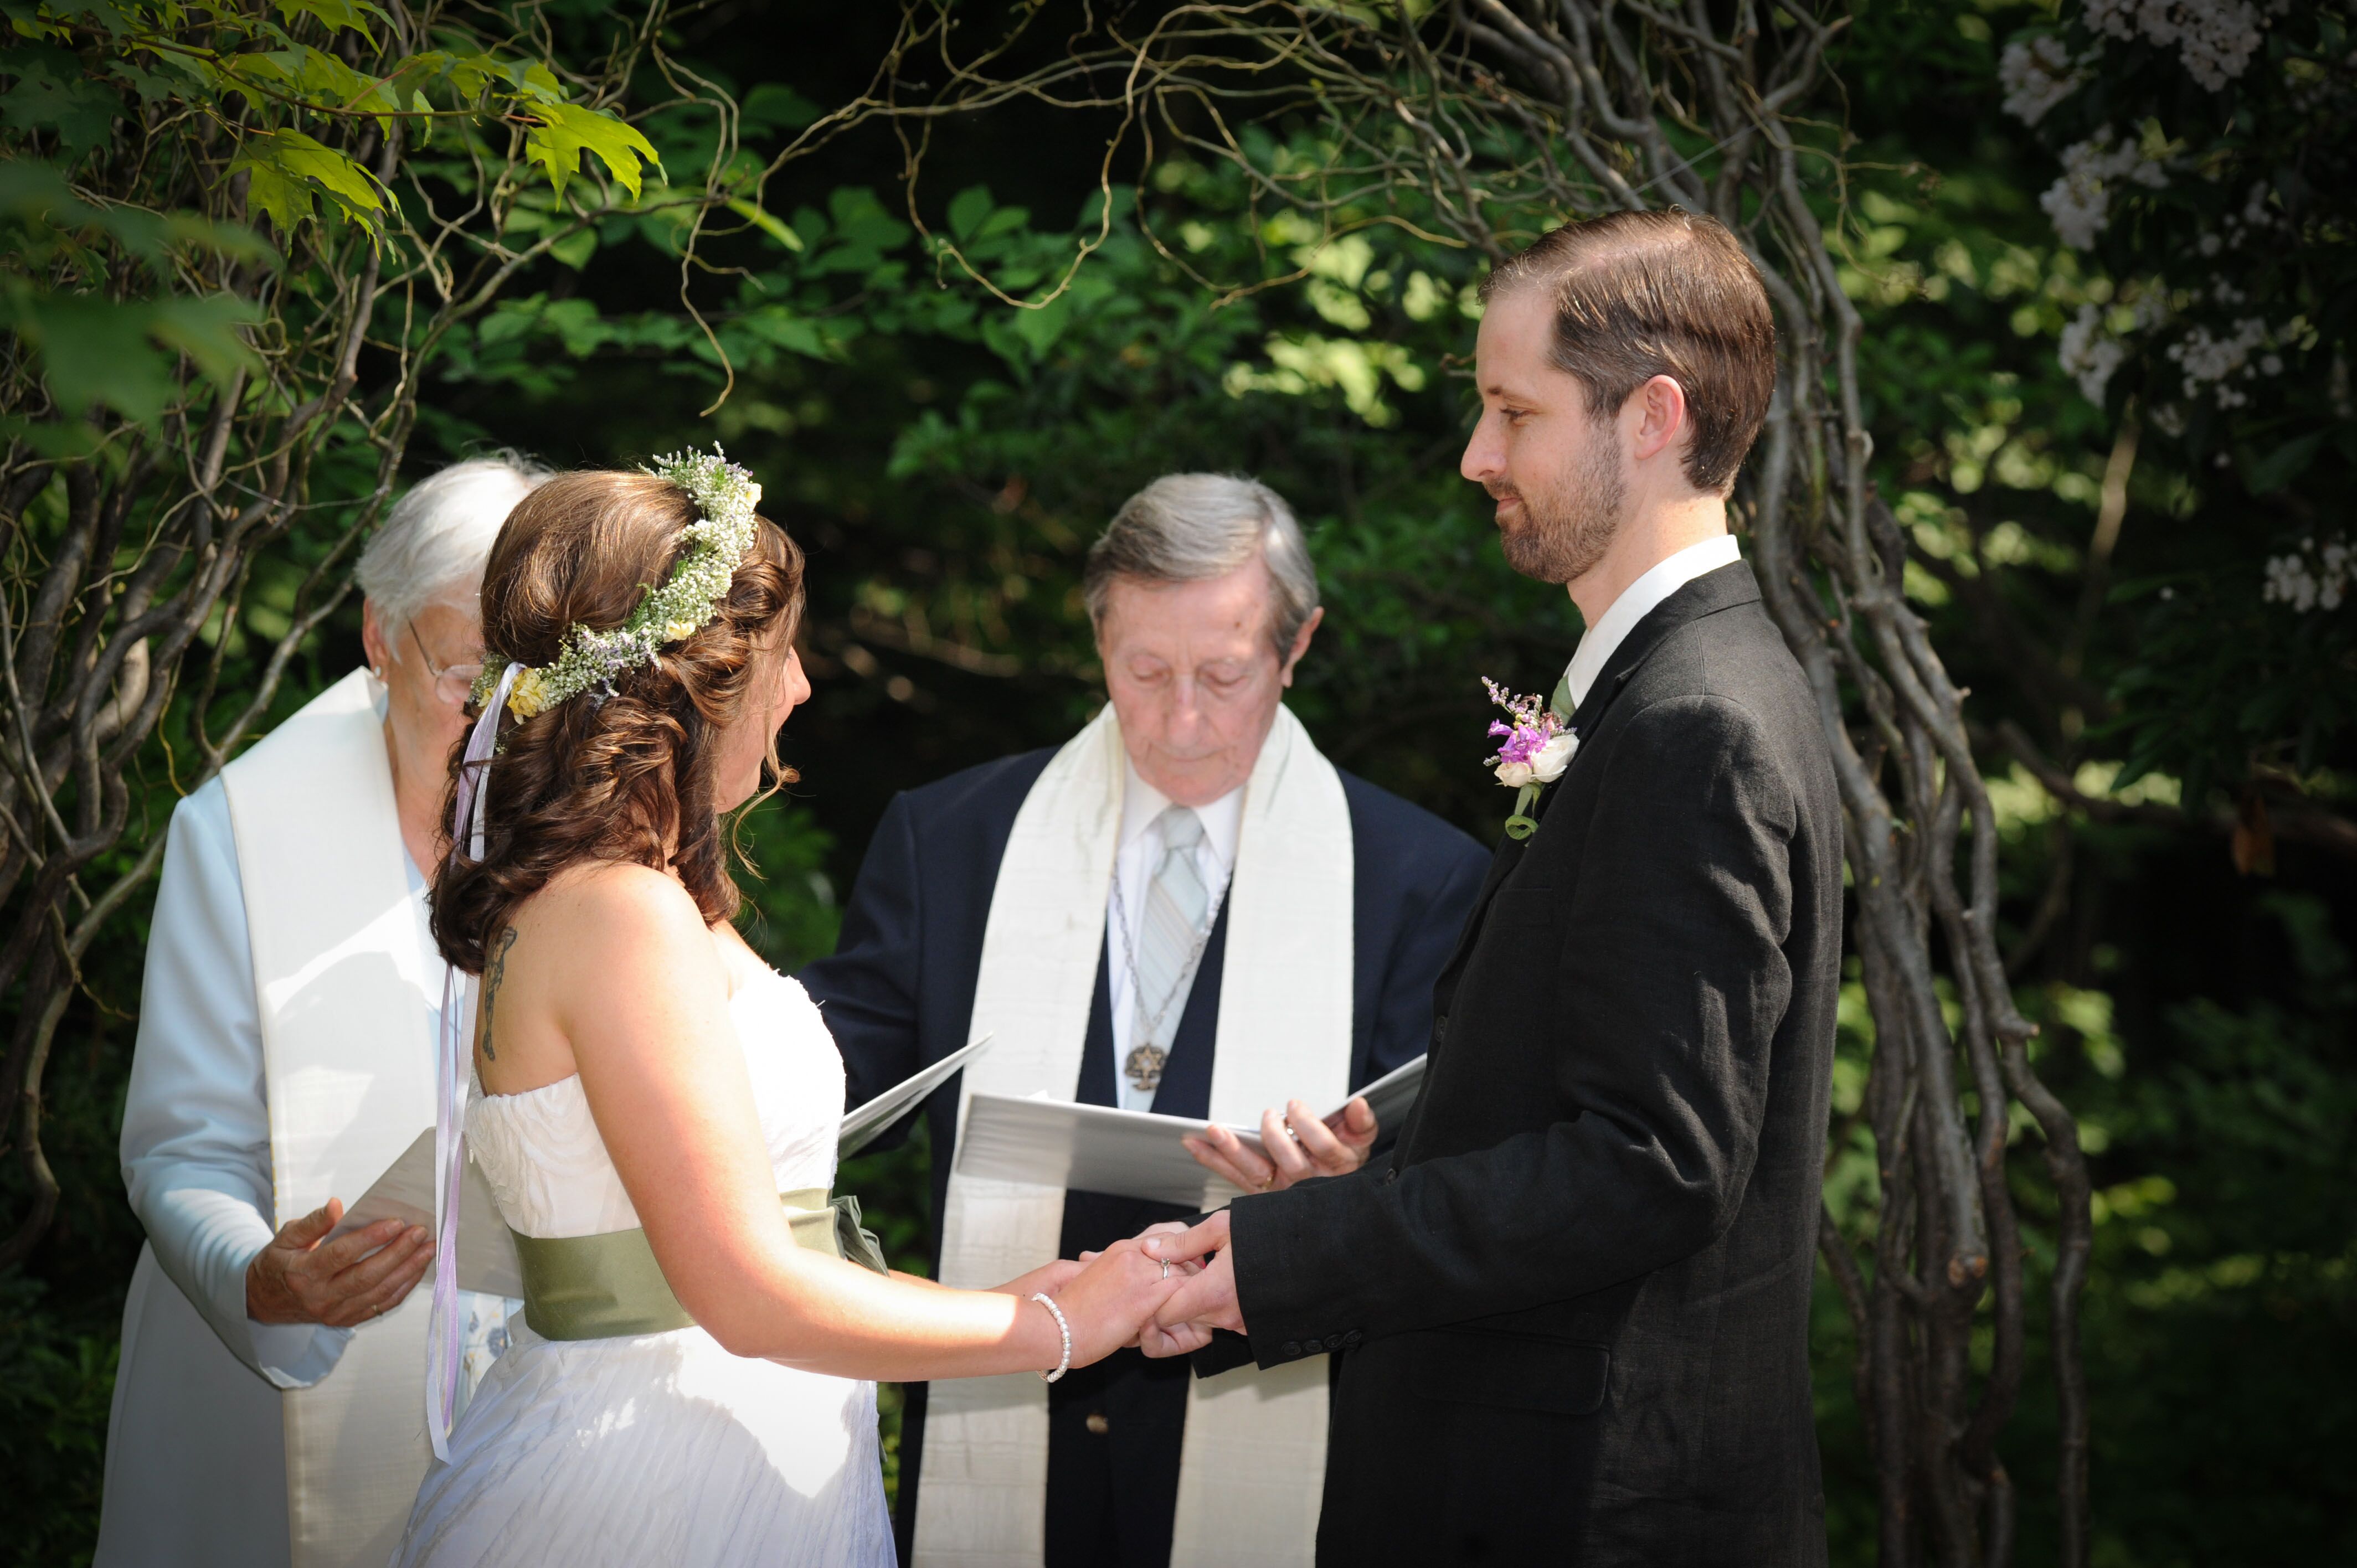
(1145, 1053)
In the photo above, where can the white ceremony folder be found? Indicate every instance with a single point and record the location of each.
(865, 1125)
(1129, 1154)
(486, 1254)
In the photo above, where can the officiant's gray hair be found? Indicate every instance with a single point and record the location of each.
(431, 545)
(1184, 528)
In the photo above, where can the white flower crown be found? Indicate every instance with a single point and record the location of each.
(726, 494)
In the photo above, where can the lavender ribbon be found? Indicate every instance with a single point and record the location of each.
(445, 1335)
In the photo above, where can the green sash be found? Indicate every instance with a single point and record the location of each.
(603, 1287)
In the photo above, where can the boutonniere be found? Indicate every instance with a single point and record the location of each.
(1535, 748)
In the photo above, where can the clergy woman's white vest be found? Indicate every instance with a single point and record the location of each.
(340, 965)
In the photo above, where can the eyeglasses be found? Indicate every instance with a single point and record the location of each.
(452, 682)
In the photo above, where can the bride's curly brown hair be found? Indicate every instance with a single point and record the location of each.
(629, 777)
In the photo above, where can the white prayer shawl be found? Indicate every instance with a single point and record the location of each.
(1254, 1457)
(345, 1003)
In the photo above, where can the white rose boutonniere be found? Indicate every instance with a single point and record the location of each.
(1533, 750)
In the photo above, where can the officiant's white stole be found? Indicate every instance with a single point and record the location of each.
(339, 978)
(1253, 1459)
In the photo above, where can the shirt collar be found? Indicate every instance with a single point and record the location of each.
(1141, 802)
(1637, 601)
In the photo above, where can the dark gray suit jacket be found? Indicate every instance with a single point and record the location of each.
(1575, 1302)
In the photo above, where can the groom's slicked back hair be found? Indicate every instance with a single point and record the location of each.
(1668, 292)
(1184, 528)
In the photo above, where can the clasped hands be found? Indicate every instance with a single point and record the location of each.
(1166, 1290)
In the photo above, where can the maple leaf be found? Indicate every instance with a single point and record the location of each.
(566, 131)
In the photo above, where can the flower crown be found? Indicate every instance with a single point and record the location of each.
(726, 494)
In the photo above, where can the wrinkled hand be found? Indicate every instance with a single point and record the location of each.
(350, 1280)
(1299, 1147)
(1205, 1300)
(1113, 1297)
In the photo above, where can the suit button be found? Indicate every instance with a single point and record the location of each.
(1289, 1349)
(1440, 1028)
(1333, 1341)
(1353, 1340)
(1097, 1425)
(1391, 1176)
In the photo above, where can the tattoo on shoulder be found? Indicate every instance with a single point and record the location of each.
(494, 973)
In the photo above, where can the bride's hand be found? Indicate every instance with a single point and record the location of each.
(1113, 1297)
(1048, 1277)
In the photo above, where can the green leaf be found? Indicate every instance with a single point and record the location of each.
(967, 209)
(96, 351)
(283, 167)
(53, 93)
(208, 329)
(566, 131)
(574, 250)
(768, 223)
(335, 14)
(2264, 476)
(773, 106)
(535, 81)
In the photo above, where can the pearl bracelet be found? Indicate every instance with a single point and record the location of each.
(1062, 1328)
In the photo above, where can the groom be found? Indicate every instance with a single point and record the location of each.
(1573, 1303)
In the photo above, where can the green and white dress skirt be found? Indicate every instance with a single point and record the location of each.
(616, 1432)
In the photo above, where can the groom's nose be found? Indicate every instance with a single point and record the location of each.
(1485, 452)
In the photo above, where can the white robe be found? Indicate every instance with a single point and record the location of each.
(196, 1459)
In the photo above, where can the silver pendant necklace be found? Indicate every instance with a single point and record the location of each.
(1143, 1066)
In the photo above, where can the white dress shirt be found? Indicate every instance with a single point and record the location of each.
(1637, 601)
(1132, 872)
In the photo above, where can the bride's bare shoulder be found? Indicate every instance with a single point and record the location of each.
(617, 912)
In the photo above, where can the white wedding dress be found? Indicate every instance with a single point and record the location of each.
(657, 1448)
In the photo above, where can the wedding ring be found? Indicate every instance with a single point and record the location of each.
(1166, 1268)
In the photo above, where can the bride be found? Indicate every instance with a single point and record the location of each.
(656, 1108)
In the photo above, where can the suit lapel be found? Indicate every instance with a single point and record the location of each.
(1708, 595)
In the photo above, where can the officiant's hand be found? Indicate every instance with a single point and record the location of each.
(1299, 1147)
(1206, 1301)
(350, 1280)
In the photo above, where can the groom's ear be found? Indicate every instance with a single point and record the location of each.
(1301, 645)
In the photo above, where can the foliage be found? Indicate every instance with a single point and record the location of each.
(2206, 175)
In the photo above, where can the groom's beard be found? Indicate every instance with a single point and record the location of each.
(1567, 527)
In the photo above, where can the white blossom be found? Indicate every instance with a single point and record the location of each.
(2037, 74)
(2215, 38)
(2309, 578)
(2088, 354)
(2215, 362)
(2079, 202)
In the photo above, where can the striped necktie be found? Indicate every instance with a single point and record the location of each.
(1169, 941)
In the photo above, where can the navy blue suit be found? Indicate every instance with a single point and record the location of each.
(898, 993)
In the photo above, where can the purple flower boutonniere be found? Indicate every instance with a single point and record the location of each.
(1536, 750)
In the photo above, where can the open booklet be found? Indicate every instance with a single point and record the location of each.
(1130, 1154)
(486, 1254)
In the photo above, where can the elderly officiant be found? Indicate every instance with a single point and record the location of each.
(1186, 909)
(270, 1403)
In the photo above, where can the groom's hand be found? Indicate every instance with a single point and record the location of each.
(1298, 1146)
(1206, 1302)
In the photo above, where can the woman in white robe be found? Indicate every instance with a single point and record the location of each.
(233, 1304)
